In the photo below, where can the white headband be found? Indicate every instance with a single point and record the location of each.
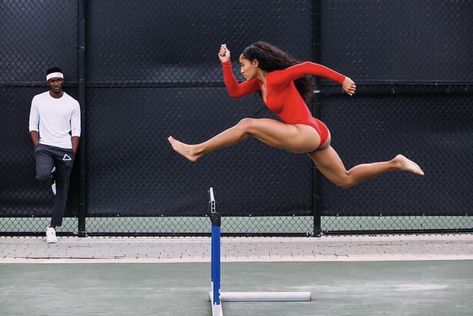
(54, 75)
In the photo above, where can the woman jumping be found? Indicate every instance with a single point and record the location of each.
(283, 84)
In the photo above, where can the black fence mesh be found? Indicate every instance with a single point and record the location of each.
(407, 41)
(376, 128)
(177, 42)
(151, 70)
(37, 35)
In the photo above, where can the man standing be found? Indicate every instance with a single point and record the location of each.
(55, 131)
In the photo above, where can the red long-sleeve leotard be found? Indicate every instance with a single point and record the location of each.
(282, 96)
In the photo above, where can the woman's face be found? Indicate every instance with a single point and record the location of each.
(248, 68)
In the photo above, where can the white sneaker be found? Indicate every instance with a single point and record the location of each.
(51, 235)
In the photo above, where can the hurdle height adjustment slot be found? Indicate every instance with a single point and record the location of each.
(217, 297)
(215, 217)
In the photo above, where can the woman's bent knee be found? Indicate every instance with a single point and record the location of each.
(345, 182)
(246, 124)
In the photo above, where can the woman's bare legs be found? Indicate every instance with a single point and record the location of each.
(331, 166)
(296, 138)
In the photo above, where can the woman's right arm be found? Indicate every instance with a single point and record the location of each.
(234, 88)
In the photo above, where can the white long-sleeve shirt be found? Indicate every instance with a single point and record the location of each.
(56, 120)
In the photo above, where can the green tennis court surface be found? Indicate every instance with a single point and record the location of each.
(338, 288)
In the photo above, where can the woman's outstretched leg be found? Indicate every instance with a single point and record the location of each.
(193, 152)
(331, 166)
(296, 138)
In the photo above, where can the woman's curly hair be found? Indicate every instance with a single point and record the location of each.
(272, 58)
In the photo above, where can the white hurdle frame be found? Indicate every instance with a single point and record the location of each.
(215, 295)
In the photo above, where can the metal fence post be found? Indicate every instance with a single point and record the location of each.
(81, 97)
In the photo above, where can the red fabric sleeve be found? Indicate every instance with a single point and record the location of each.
(234, 88)
(306, 68)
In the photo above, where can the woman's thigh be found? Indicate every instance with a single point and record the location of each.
(330, 164)
(297, 138)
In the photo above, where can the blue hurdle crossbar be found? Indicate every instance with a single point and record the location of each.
(216, 296)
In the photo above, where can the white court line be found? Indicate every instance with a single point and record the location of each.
(247, 260)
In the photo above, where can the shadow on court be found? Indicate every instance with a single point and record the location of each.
(338, 288)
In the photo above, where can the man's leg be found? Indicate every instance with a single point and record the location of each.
(64, 159)
(45, 166)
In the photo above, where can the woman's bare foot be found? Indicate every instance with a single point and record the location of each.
(184, 149)
(408, 165)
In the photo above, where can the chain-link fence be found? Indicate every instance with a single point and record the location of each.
(151, 70)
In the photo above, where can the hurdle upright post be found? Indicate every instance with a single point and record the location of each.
(215, 219)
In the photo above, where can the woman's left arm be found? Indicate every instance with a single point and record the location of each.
(309, 68)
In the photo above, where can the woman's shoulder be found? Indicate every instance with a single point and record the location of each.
(299, 65)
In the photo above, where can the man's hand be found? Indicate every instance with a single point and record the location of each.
(75, 144)
(34, 138)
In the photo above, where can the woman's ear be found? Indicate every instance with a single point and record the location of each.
(255, 62)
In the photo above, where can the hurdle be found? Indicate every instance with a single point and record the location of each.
(215, 295)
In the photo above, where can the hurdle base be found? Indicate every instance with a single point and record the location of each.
(217, 310)
(263, 296)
